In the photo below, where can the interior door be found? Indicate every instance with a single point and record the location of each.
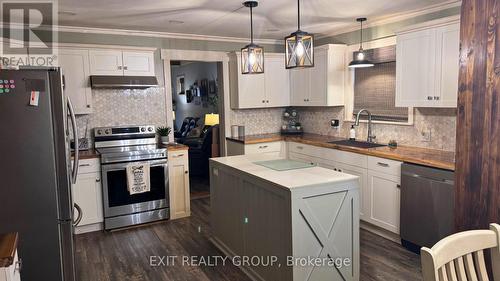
(277, 81)
(138, 63)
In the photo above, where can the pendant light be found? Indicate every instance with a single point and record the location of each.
(252, 55)
(299, 47)
(359, 57)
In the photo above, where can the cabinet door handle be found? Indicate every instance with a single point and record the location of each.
(120, 67)
(263, 146)
(436, 98)
(300, 147)
(382, 164)
(125, 67)
(398, 186)
(178, 155)
(84, 165)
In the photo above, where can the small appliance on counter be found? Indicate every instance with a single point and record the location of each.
(291, 126)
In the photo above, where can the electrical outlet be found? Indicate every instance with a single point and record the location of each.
(335, 123)
(425, 135)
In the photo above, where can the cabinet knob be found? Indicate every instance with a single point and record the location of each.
(88, 105)
(120, 67)
(267, 101)
(263, 101)
(125, 67)
(186, 172)
(398, 186)
(429, 97)
(436, 98)
(97, 179)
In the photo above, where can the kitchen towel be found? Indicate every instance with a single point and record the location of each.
(138, 178)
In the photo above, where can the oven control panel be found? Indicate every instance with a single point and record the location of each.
(124, 131)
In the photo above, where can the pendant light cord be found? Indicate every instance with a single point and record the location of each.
(361, 39)
(251, 24)
(298, 14)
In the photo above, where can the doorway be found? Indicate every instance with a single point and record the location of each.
(195, 112)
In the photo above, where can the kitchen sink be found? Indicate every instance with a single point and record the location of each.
(360, 144)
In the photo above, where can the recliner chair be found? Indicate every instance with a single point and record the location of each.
(200, 150)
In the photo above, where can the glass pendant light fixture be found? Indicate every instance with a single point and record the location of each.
(252, 55)
(359, 57)
(299, 47)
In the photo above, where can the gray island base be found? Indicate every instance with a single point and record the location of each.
(298, 225)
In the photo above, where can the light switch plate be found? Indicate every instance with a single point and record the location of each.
(426, 135)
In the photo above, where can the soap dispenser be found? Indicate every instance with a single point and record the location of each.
(352, 133)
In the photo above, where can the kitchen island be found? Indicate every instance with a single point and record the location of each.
(297, 224)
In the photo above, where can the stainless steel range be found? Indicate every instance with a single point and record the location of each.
(119, 147)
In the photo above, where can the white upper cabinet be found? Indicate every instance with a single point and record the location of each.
(277, 81)
(138, 63)
(76, 70)
(427, 58)
(118, 62)
(106, 62)
(323, 84)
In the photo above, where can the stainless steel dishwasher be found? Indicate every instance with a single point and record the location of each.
(427, 205)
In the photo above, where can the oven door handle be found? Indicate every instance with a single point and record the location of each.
(121, 166)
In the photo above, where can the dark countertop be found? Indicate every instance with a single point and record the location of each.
(416, 155)
(8, 246)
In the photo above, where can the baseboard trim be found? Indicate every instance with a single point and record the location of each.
(88, 228)
(380, 232)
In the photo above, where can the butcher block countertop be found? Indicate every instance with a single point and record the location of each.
(8, 246)
(88, 154)
(416, 155)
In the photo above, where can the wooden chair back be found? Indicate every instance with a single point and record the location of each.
(460, 257)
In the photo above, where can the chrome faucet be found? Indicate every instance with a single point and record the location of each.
(370, 137)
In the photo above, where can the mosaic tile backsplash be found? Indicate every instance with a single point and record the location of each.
(124, 107)
(258, 121)
(134, 107)
(438, 123)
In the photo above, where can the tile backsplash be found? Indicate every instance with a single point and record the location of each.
(439, 123)
(258, 121)
(119, 107)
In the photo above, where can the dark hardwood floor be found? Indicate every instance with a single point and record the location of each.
(125, 255)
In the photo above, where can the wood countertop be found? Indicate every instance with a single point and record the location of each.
(175, 146)
(8, 246)
(416, 155)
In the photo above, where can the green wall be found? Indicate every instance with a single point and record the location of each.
(386, 30)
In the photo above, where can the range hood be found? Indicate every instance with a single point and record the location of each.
(122, 82)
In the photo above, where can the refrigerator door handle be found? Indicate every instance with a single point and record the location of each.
(80, 215)
(76, 159)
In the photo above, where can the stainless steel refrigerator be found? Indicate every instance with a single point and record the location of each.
(36, 172)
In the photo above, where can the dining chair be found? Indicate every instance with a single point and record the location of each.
(460, 257)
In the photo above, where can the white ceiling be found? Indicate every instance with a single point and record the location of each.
(273, 19)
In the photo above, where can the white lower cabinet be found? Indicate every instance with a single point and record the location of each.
(87, 193)
(384, 194)
(379, 180)
(178, 174)
(277, 148)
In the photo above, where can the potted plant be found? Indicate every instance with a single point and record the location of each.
(163, 132)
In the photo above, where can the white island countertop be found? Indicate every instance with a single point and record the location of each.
(290, 179)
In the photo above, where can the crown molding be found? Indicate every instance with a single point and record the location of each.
(395, 18)
(158, 34)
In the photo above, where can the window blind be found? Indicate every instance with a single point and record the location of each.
(375, 87)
